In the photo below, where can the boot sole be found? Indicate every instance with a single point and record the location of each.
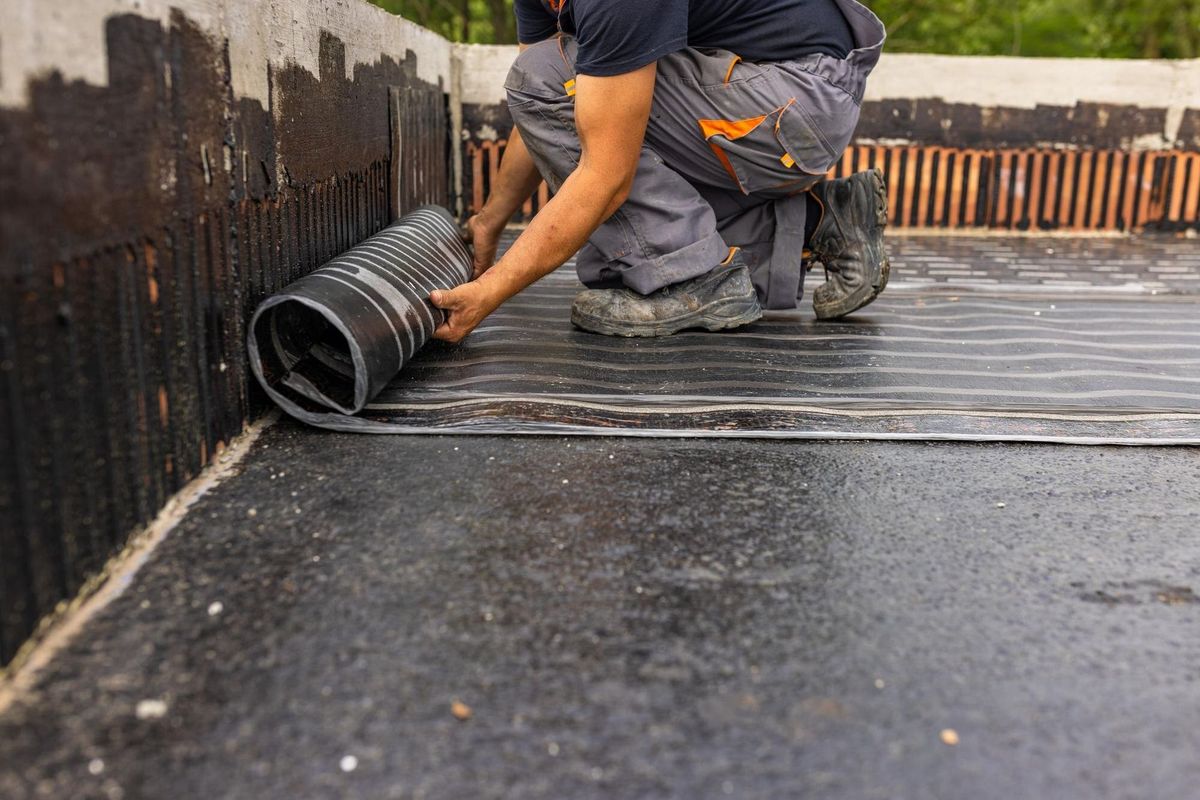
(867, 293)
(719, 316)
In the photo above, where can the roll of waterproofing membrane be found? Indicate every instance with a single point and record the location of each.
(327, 344)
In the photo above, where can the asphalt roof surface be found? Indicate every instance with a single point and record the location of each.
(644, 618)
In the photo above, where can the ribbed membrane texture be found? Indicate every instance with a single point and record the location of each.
(330, 342)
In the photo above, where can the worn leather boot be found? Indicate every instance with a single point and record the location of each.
(848, 242)
(719, 299)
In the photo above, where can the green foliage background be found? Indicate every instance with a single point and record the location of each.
(1073, 28)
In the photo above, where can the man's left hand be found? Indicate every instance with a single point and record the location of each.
(465, 306)
(484, 240)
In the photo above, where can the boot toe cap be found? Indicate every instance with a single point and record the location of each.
(617, 306)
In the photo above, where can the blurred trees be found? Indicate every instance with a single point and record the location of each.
(1073, 28)
(476, 21)
(1077, 28)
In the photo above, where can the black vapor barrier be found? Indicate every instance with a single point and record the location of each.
(327, 344)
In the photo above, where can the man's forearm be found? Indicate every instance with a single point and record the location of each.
(516, 180)
(611, 114)
(586, 199)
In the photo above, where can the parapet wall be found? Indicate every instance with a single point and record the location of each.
(163, 166)
(966, 142)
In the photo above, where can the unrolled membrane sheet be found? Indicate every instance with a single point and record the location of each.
(327, 344)
(1102, 360)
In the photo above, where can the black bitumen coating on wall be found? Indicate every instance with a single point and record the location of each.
(933, 122)
(1189, 129)
(652, 619)
(141, 222)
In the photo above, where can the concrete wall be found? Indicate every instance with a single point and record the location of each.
(163, 166)
(1099, 102)
(1013, 143)
(977, 101)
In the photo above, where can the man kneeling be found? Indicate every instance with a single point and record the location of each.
(686, 143)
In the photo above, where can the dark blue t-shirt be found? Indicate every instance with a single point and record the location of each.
(619, 36)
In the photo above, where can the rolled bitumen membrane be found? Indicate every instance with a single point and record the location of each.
(327, 344)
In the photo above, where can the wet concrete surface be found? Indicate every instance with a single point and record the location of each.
(644, 618)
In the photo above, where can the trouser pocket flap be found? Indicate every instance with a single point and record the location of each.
(802, 142)
(770, 150)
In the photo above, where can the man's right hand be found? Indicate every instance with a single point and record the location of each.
(484, 239)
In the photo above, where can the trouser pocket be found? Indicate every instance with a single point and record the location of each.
(771, 150)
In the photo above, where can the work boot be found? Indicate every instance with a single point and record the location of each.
(721, 298)
(848, 242)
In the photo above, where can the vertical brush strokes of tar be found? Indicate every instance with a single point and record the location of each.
(141, 222)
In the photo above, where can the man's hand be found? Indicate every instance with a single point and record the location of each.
(465, 308)
(483, 238)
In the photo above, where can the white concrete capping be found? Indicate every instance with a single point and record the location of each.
(1007, 82)
(38, 38)
(990, 82)
(484, 69)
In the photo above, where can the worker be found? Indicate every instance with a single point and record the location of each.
(686, 143)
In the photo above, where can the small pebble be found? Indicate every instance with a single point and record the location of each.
(460, 710)
(1000, 505)
(151, 709)
(552, 748)
(215, 608)
(949, 737)
(252, 512)
(96, 766)
(879, 684)
(348, 763)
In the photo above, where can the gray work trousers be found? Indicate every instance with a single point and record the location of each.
(731, 150)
